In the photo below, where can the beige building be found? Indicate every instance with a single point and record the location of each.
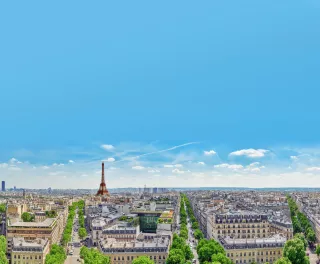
(156, 247)
(50, 229)
(29, 252)
(246, 251)
(238, 225)
(121, 233)
(285, 229)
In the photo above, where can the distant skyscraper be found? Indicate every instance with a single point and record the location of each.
(3, 186)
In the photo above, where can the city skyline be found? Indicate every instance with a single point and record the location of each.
(190, 164)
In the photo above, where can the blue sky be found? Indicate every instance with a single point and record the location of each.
(146, 76)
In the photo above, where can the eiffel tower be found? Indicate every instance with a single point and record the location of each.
(102, 189)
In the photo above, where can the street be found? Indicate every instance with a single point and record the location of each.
(191, 239)
(74, 245)
(312, 256)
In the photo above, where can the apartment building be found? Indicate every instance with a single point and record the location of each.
(29, 252)
(50, 229)
(260, 250)
(156, 247)
(121, 233)
(238, 224)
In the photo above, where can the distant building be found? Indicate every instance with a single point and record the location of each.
(3, 186)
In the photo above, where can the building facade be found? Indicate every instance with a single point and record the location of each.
(29, 252)
(246, 251)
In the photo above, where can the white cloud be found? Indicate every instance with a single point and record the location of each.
(251, 153)
(177, 171)
(84, 175)
(58, 165)
(138, 168)
(313, 169)
(110, 159)
(71, 161)
(201, 163)
(210, 153)
(229, 166)
(107, 147)
(13, 160)
(173, 166)
(255, 169)
(294, 158)
(254, 164)
(45, 167)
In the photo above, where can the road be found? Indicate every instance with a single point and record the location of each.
(73, 259)
(312, 256)
(191, 238)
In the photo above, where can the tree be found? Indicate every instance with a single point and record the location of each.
(205, 253)
(188, 253)
(198, 234)
(295, 252)
(57, 255)
(3, 244)
(184, 234)
(175, 259)
(51, 213)
(3, 258)
(3, 208)
(82, 232)
(207, 248)
(221, 258)
(195, 225)
(318, 250)
(93, 256)
(302, 238)
(311, 236)
(3, 249)
(142, 260)
(27, 217)
(283, 261)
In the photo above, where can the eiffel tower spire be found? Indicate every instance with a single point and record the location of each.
(102, 189)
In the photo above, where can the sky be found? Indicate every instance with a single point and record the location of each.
(182, 93)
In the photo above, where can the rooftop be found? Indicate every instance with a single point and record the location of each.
(46, 223)
(19, 244)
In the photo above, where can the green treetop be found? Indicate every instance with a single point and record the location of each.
(294, 250)
(142, 260)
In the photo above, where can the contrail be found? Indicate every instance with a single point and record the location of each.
(159, 151)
